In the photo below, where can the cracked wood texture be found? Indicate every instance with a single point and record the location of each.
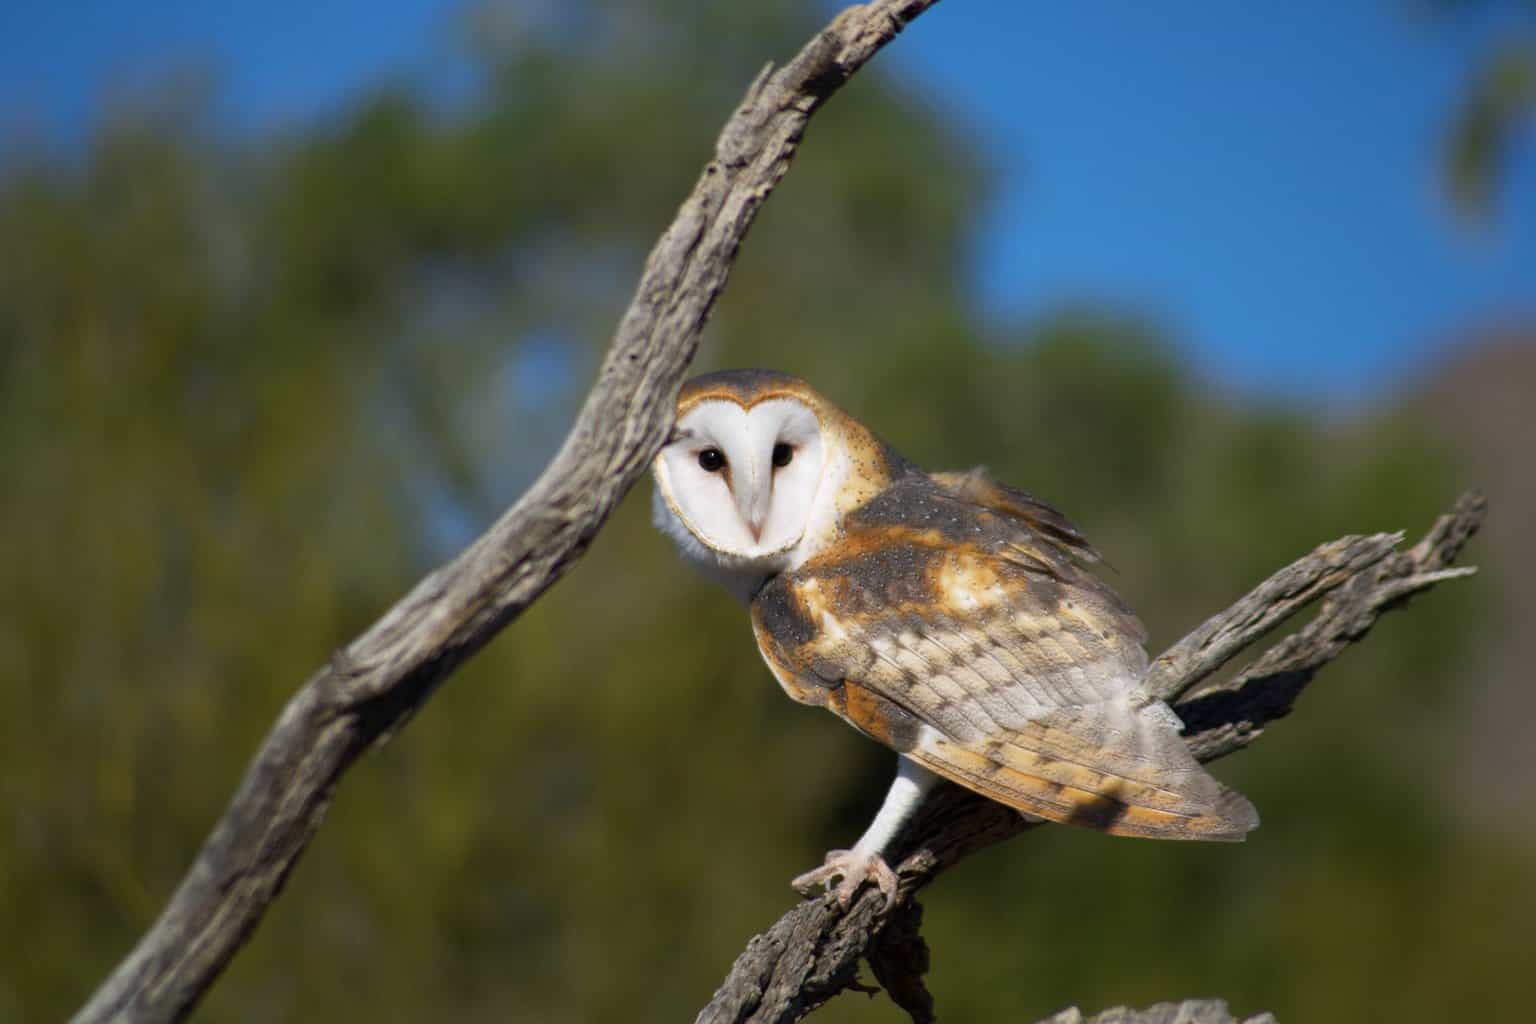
(372, 686)
(812, 953)
(1191, 1011)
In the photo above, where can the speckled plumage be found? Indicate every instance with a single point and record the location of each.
(954, 619)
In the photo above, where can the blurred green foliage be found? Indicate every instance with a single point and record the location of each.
(249, 392)
(1496, 109)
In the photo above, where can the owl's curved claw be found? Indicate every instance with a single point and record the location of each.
(851, 868)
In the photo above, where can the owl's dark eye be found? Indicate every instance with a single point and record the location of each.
(782, 453)
(711, 460)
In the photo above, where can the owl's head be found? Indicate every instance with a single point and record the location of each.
(755, 473)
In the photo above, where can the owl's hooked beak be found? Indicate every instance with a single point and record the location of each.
(753, 500)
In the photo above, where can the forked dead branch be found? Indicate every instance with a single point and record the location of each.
(372, 686)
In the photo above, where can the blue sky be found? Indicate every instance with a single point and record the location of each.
(1259, 177)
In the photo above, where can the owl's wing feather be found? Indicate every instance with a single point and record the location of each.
(954, 622)
(975, 487)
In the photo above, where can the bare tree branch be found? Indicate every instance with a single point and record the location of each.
(1191, 1011)
(813, 951)
(373, 685)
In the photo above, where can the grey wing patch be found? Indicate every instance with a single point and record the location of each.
(1066, 654)
(1108, 766)
(1142, 745)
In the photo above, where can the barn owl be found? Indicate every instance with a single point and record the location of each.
(943, 614)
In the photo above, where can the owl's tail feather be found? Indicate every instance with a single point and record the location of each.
(1112, 767)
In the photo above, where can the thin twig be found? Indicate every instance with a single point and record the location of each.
(1191, 1011)
(373, 685)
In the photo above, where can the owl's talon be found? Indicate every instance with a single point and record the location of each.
(851, 869)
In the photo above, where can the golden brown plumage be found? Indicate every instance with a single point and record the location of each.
(952, 622)
(950, 617)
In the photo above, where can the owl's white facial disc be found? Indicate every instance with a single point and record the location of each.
(743, 481)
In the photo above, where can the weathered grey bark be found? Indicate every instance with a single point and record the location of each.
(812, 953)
(374, 684)
(1191, 1011)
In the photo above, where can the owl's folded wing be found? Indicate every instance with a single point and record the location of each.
(963, 633)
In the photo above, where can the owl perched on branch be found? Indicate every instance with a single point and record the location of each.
(945, 615)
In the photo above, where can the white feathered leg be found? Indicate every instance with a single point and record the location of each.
(866, 861)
